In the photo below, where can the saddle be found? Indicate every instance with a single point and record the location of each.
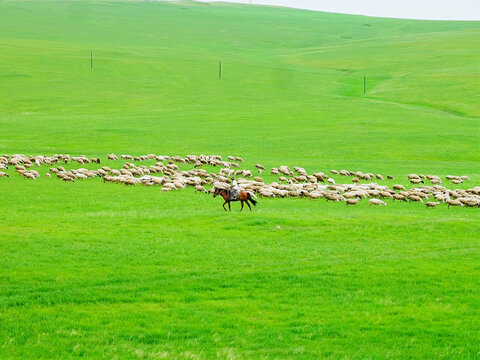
(233, 195)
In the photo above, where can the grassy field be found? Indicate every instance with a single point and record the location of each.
(99, 270)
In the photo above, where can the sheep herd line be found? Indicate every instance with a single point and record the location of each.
(166, 174)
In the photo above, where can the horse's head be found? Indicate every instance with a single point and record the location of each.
(216, 192)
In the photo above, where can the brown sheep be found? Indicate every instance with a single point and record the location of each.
(399, 197)
(351, 201)
(415, 198)
(376, 202)
(385, 194)
(29, 175)
(200, 188)
(454, 203)
(333, 197)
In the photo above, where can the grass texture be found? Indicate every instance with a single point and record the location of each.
(107, 271)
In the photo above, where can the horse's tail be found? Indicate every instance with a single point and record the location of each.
(249, 197)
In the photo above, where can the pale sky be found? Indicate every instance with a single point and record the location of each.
(410, 9)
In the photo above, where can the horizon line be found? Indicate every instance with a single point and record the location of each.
(332, 12)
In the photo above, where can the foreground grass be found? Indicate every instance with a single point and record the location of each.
(99, 270)
(92, 269)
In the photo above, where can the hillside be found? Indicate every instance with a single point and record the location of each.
(289, 76)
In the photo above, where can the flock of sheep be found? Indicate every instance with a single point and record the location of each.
(166, 174)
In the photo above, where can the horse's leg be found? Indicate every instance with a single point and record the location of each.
(229, 207)
(249, 205)
(241, 202)
(224, 206)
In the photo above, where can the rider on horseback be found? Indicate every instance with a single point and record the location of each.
(234, 191)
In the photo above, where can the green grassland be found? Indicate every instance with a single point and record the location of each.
(98, 270)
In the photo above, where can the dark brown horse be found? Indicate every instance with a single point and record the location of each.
(243, 198)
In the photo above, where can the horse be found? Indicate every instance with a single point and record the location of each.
(243, 198)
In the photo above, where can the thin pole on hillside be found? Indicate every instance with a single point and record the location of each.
(91, 59)
(220, 70)
(364, 84)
